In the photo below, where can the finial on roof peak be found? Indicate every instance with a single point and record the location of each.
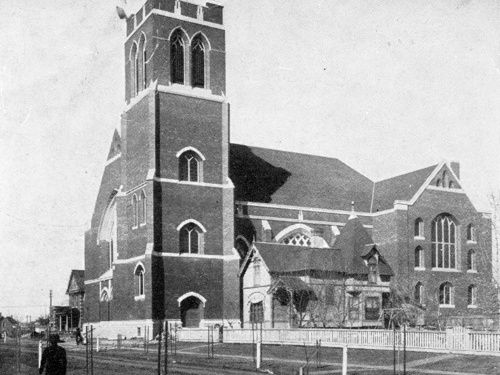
(353, 214)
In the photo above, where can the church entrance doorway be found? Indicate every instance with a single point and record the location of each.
(191, 312)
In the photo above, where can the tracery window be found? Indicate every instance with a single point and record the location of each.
(297, 239)
(444, 243)
(198, 62)
(177, 57)
(190, 167)
(190, 239)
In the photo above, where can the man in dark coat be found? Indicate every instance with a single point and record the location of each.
(53, 358)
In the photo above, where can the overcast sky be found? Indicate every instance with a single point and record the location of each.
(385, 86)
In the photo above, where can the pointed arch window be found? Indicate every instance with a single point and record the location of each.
(190, 167)
(191, 239)
(143, 62)
(419, 258)
(177, 46)
(139, 280)
(142, 208)
(471, 260)
(134, 70)
(419, 293)
(198, 62)
(446, 294)
(471, 233)
(135, 211)
(444, 243)
(419, 228)
(471, 295)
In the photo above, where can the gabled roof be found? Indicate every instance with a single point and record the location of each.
(402, 187)
(355, 244)
(76, 281)
(115, 147)
(280, 177)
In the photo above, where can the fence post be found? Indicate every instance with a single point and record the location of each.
(39, 353)
(97, 345)
(344, 360)
(259, 354)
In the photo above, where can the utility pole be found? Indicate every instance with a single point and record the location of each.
(50, 310)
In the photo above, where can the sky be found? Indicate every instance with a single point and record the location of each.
(385, 86)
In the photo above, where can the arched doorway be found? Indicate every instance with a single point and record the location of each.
(191, 312)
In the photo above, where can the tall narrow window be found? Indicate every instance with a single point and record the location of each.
(444, 247)
(190, 239)
(471, 295)
(190, 167)
(419, 257)
(177, 58)
(143, 61)
(445, 179)
(142, 208)
(256, 271)
(139, 281)
(134, 71)
(446, 294)
(419, 228)
(471, 260)
(372, 270)
(372, 308)
(135, 212)
(419, 289)
(471, 233)
(198, 62)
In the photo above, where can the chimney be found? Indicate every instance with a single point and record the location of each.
(455, 166)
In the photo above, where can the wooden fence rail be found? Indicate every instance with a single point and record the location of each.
(452, 340)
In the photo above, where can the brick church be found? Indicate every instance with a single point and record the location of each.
(183, 216)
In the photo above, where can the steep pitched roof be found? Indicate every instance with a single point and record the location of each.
(76, 281)
(280, 258)
(115, 147)
(272, 176)
(402, 187)
(354, 244)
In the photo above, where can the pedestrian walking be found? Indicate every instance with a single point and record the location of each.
(54, 357)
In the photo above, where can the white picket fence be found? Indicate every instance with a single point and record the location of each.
(457, 340)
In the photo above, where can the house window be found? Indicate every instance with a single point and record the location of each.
(372, 308)
(198, 62)
(190, 167)
(419, 257)
(135, 211)
(330, 295)
(372, 270)
(419, 228)
(297, 239)
(139, 280)
(138, 331)
(190, 239)
(142, 208)
(471, 260)
(471, 233)
(419, 293)
(354, 306)
(177, 57)
(257, 312)
(446, 294)
(444, 247)
(471, 295)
